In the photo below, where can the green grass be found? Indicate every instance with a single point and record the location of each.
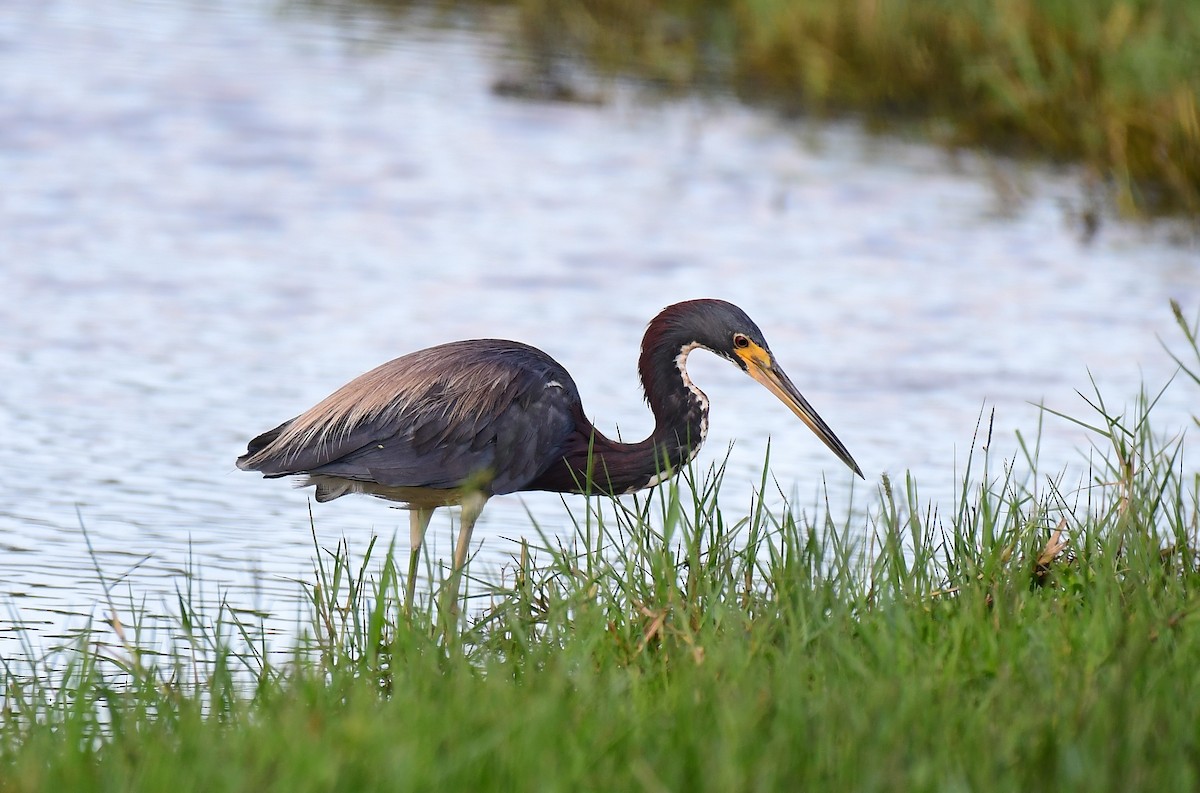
(1111, 84)
(1037, 634)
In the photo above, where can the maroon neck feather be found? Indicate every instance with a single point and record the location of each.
(594, 463)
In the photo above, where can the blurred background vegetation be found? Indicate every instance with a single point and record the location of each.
(1109, 84)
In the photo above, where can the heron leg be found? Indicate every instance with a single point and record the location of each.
(472, 506)
(418, 522)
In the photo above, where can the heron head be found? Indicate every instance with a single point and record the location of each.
(726, 330)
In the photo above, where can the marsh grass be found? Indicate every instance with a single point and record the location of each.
(1038, 633)
(1111, 84)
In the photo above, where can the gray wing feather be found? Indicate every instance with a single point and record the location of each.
(483, 410)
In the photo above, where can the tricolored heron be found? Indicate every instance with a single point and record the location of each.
(465, 421)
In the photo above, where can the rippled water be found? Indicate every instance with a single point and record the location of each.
(212, 214)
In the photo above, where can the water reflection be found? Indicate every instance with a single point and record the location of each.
(214, 214)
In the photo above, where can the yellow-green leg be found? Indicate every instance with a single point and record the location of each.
(418, 522)
(472, 506)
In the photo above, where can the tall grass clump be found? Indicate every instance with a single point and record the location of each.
(1112, 84)
(1039, 633)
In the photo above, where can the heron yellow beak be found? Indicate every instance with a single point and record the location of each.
(761, 366)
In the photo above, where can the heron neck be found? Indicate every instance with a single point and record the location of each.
(680, 408)
(598, 464)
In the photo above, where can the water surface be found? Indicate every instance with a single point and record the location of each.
(214, 213)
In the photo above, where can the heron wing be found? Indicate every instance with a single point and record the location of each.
(486, 412)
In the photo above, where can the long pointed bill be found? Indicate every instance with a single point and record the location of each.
(771, 376)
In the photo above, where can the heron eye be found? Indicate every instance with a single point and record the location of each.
(740, 341)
